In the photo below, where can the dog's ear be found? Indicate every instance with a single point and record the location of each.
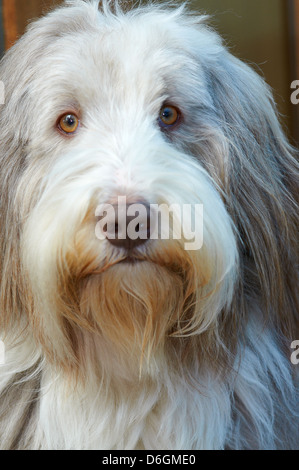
(12, 164)
(11, 284)
(260, 184)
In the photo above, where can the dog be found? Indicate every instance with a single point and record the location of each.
(117, 342)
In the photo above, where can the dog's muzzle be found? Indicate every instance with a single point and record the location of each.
(128, 225)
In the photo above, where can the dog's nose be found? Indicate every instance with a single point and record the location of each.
(131, 226)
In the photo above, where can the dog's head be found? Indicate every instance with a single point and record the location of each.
(148, 106)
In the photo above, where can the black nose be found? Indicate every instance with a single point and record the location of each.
(130, 225)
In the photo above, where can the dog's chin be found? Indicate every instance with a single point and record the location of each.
(136, 303)
(131, 260)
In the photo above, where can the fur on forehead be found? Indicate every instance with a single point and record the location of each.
(139, 30)
(140, 54)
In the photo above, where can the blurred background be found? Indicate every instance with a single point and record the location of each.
(264, 33)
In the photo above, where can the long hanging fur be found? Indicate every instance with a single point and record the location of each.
(101, 354)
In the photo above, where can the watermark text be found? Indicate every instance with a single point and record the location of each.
(295, 94)
(2, 93)
(295, 354)
(2, 353)
(151, 221)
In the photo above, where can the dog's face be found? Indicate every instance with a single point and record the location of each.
(140, 106)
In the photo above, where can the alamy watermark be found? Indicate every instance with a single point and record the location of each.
(2, 93)
(154, 221)
(2, 353)
(295, 354)
(295, 94)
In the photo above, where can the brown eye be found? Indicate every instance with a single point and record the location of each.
(169, 116)
(68, 123)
